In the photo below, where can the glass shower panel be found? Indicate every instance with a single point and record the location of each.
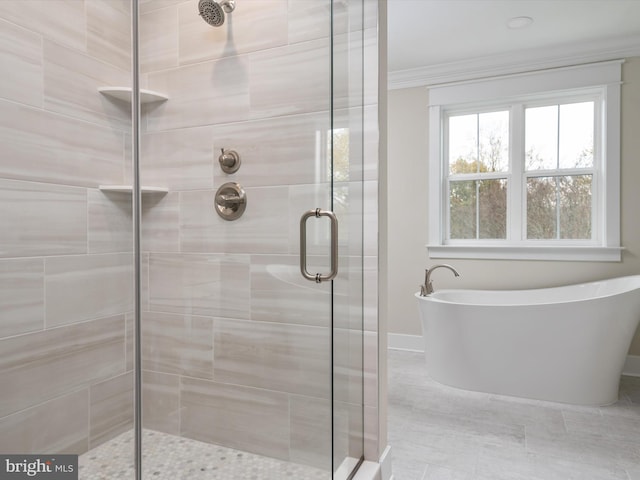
(349, 190)
(65, 241)
(246, 366)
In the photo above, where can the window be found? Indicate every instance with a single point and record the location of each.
(527, 166)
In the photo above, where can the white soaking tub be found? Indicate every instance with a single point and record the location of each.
(564, 344)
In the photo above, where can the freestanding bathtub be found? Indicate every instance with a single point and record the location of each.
(564, 344)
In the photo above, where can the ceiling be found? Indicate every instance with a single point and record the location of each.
(427, 33)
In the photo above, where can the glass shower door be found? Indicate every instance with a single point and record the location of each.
(241, 369)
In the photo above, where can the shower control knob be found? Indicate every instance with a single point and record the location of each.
(229, 161)
(230, 201)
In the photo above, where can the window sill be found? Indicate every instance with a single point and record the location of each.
(556, 253)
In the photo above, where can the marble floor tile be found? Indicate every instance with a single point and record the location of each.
(453, 434)
(441, 473)
(633, 473)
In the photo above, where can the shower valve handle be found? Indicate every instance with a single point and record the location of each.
(228, 200)
(229, 161)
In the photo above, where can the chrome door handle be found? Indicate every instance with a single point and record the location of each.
(319, 277)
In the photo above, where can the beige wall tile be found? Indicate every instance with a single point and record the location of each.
(109, 31)
(110, 223)
(54, 427)
(280, 294)
(269, 161)
(202, 94)
(129, 351)
(248, 419)
(40, 219)
(40, 366)
(286, 358)
(290, 80)
(340, 432)
(147, 6)
(347, 434)
(311, 420)
(370, 291)
(347, 366)
(309, 197)
(371, 433)
(370, 367)
(355, 436)
(20, 54)
(110, 408)
(253, 25)
(263, 227)
(179, 344)
(160, 227)
(210, 285)
(159, 38)
(348, 294)
(144, 281)
(71, 82)
(178, 159)
(308, 21)
(86, 287)
(45, 147)
(60, 20)
(21, 296)
(161, 402)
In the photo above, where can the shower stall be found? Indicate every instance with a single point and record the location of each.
(167, 169)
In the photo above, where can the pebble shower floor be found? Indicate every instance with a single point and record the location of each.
(169, 457)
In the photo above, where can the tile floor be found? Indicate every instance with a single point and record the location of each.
(169, 457)
(438, 432)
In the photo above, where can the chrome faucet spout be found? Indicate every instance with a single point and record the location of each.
(427, 288)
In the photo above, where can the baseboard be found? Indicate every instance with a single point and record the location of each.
(385, 464)
(414, 343)
(400, 341)
(632, 366)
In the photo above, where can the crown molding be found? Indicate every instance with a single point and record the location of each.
(518, 62)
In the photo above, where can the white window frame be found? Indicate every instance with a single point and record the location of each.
(600, 79)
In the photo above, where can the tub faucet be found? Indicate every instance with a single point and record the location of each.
(427, 288)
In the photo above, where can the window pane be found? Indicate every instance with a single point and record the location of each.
(541, 208)
(575, 206)
(541, 138)
(576, 135)
(462, 209)
(463, 144)
(494, 141)
(492, 208)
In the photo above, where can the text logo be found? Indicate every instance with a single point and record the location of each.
(50, 467)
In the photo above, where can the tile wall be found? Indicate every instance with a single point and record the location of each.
(236, 345)
(65, 246)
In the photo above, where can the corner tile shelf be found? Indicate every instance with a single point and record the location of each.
(129, 189)
(124, 94)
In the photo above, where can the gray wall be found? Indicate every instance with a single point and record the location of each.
(408, 126)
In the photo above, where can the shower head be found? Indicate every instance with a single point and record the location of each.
(213, 12)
